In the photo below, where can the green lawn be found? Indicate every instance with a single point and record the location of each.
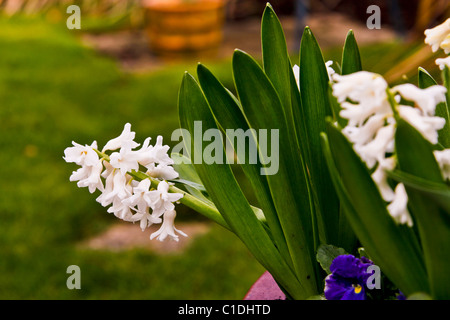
(52, 91)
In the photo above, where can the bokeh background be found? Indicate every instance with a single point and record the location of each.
(125, 64)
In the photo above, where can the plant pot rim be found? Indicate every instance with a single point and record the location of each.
(183, 7)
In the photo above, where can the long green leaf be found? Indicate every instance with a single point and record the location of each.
(230, 118)
(443, 110)
(394, 248)
(278, 68)
(299, 129)
(275, 56)
(425, 80)
(316, 107)
(288, 185)
(226, 193)
(415, 156)
(351, 59)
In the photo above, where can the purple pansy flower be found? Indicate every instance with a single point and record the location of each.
(348, 278)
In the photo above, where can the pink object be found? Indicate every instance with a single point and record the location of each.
(265, 288)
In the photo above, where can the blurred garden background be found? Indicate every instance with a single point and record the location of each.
(59, 85)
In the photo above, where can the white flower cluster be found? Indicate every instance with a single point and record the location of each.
(371, 127)
(129, 199)
(439, 38)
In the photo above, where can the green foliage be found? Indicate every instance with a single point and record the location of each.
(300, 207)
(326, 254)
(323, 193)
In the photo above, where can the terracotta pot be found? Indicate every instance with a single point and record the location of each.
(184, 26)
(265, 288)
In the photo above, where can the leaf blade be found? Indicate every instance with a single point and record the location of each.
(227, 195)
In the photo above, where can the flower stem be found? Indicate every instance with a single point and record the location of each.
(393, 103)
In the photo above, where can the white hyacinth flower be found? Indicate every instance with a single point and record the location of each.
(116, 186)
(91, 166)
(148, 155)
(427, 126)
(168, 228)
(120, 210)
(124, 140)
(81, 155)
(381, 179)
(361, 135)
(330, 70)
(439, 37)
(425, 99)
(398, 208)
(145, 219)
(162, 171)
(443, 159)
(358, 114)
(130, 200)
(89, 176)
(442, 62)
(375, 151)
(141, 200)
(160, 152)
(161, 200)
(363, 86)
(126, 160)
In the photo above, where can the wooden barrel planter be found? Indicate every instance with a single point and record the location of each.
(184, 27)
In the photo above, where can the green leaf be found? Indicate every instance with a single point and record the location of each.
(326, 254)
(316, 107)
(288, 186)
(278, 68)
(442, 110)
(419, 296)
(415, 157)
(226, 194)
(425, 79)
(394, 248)
(275, 56)
(351, 59)
(229, 116)
(298, 130)
(317, 297)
